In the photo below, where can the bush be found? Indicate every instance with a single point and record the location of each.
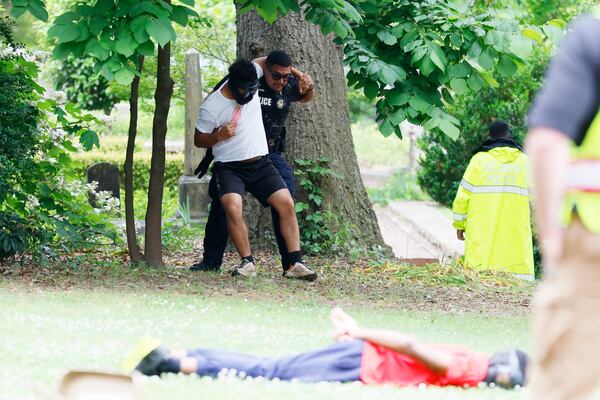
(82, 85)
(401, 186)
(141, 167)
(444, 160)
(41, 206)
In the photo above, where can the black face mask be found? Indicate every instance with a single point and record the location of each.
(250, 89)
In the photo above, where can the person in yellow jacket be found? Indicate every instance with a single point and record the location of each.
(491, 207)
(564, 145)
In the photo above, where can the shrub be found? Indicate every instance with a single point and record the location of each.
(141, 166)
(83, 85)
(41, 206)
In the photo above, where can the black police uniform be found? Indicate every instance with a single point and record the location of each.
(275, 110)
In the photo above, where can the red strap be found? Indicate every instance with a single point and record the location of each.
(236, 115)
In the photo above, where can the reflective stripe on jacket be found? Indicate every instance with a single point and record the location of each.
(583, 181)
(492, 207)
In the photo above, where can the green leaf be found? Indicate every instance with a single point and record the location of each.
(62, 50)
(187, 2)
(371, 89)
(489, 79)
(161, 31)
(461, 70)
(38, 10)
(418, 54)
(475, 82)
(66, 33)
(533, 34)
(426, 66)
(124, 76)
(386, 37)
(438, 56)
(89, 139)
(340, 29)
(17, 11)
(397, 97)
(487, 59)
(146, 48)
(506, 67)
(94, 48)
(66, 18)
(126, 46)
(397, 117)
(521, 47)
(459, 85)
(419, 103)
(386, 128)
(449, 129)
(390, 74)
(180, 15)
(559, 23)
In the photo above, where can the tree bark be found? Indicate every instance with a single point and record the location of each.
(132, 244)
(320, 128)
(162, 98)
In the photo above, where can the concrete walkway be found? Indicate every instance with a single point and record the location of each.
(419, 229)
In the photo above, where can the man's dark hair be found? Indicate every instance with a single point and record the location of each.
(279, 57)
(499, 129)
(242, 71)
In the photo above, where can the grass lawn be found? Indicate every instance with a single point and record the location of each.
(89, 318)
(46, 332)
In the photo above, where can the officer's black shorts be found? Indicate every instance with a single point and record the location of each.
(258, 177)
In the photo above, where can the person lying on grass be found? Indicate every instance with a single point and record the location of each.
(360, 354)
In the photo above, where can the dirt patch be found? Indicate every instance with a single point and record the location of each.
(393, 285)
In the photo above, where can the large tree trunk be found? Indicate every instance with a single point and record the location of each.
(162, 98)
(317, 129)
(132, 244)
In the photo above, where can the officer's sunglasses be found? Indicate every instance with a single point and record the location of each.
(277, 76)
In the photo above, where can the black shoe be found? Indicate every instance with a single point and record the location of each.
(204, 266)
(149, 365)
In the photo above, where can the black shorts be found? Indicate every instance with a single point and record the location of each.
(258, 177)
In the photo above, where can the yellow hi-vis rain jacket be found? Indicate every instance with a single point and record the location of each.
(492, 207)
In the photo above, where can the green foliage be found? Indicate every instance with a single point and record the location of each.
(37, 8)
(446, 160)
(141, 166)
(416, 57)
(117, 33)
(359, 106)
(401, 186)
(40, 204)
(82, 85)
(315, 233)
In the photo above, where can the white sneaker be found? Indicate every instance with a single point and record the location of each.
(246, 268)
(300, 271)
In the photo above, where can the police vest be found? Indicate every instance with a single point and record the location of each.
(583, 180)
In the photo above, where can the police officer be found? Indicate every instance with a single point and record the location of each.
(280, 86)
(492, 206)
(564, 145)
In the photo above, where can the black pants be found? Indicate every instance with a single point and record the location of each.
(215, 232)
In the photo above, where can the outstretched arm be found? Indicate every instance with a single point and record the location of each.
(346, 327)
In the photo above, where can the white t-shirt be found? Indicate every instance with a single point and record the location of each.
(249, 140)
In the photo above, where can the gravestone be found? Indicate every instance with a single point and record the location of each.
(107, 177)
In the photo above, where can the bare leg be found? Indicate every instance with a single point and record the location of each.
(283, 203)
(238, 231)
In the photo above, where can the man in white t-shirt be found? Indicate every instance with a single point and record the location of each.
(230, 122)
